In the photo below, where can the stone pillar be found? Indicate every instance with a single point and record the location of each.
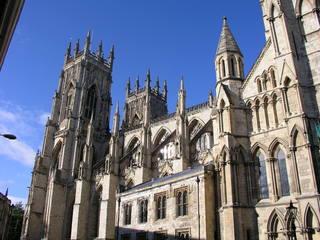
(108, 208)
(80, 210)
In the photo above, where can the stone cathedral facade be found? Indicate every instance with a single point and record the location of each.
(242, 166)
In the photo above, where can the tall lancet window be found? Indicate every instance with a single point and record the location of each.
(233, 64)
(263, 180)
(223, 66)
(283, 174)
(91, 102)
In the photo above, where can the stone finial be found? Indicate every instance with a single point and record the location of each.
(88, 42)
(165, 89)
(76, 48)
(128, 88)
(157, 86)
(100, 51)
(111, 57)
(148, 78)
(137, 84)
(68, 52)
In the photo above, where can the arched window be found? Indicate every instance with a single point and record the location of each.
(223, 65)
(69, 101)
(265, 106)
(127, 209)
(311, 225)
(276, 29)
(91, 102)
(284, 181)
(143, 211)
(307, 16)
(240, 63)
(182, 202)
(250, 117)
(273, 78)
(263, 180)
(166, 152)
(161, 206)
(222, 116)
(259, 85)
(203, 142)
(257, 107)
(233, 67)
(275, 228)
(264, 81)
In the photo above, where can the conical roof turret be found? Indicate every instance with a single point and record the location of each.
(227, 42)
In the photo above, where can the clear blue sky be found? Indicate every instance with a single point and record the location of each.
(172, 37)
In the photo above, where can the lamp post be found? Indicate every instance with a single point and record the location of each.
(292, 213)
(9, 136)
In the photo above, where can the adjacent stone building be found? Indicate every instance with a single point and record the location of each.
(243, 165)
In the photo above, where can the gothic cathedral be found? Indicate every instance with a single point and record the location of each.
(242, 166)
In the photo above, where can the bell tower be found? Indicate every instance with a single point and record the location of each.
(78, 125)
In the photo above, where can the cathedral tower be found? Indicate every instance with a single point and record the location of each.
(77, 127)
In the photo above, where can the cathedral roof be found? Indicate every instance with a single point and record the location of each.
(227, 42)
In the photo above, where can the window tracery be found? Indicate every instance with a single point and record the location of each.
(182, 202)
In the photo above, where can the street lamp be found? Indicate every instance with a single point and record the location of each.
(292, 213)
(9, 136)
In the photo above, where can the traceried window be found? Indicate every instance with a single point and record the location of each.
(161, 206)
(284, 181)
(182, 202)
(263, 181)
(167, 152)
(143, 211)
(91, 102)
(127, 213)
(203, 143)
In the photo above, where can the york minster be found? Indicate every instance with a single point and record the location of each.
(244, 165)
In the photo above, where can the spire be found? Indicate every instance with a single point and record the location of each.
(88, 42)
(6, 194)
(157, 87)
(227, 42)
(137, 84)
(76, 48)
(116, 121)
(128, 88)
(165, 89)
(181, 98)
(100, 51)
(111, 57)
(148, 79)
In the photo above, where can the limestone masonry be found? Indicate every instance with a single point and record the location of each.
(242, 166)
